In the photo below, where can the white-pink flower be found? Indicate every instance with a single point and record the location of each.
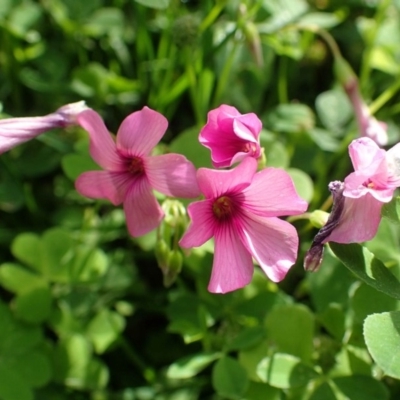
(14, 131)
(373, 182)
(231, 136)
(357, 202)
(131, 172)
(240, 212)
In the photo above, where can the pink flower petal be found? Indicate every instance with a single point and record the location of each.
(202, 225)
(104, 185)
(142, 211)
(355, 188)
(272, 193)
(172, 175)
(102, 146)
(272, 242)
(358, 222)
(214, 183)
(252, 123)
(364, 152)
(232, 267)
(140, 132)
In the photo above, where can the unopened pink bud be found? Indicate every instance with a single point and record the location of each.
(14, 131)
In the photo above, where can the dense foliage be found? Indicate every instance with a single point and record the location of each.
(85, 310)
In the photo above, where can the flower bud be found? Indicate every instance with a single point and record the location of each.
(14, 131)
(174, 267)
(319, 218)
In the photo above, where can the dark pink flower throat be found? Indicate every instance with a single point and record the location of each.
(250, 148)
(223, 207)
(135, 166)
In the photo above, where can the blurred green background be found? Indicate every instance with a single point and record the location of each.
(84, 313)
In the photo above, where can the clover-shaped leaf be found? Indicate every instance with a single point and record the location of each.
(24, 365)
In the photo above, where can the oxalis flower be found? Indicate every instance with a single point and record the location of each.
(240, 212)
(231, 136)
(14, 131)
(131, 172)
(357, 203)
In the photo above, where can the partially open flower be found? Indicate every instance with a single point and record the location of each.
(231, 136)
(14, 131)
(357, 202)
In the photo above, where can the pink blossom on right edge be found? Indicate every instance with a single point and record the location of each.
(231, 136)
(357, 203)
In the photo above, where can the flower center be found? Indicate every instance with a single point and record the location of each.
(223, 207)
(250, 148)
(369, 184)
(135, 166)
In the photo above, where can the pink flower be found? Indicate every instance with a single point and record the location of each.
(231, 136)
(131, 172)
(357, 202)
(14, 131)
(240, 211)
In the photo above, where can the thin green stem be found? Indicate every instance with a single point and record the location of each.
(369, 45)
(282, 81)
(381, 100)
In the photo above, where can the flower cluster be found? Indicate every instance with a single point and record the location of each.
(240, 207)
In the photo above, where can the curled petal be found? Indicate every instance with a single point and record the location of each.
(232, 266)
(104, 185)
(231, 136)
(142, 211)
(364, 154)
(140, 132)
(102, 146)
(202, 225)
(172, 175)
(272, 242)
(272, 194)
(358, 221)
(215, 183)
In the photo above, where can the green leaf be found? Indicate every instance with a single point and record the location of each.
(323, 392)
(229, 378)
(365, 300)
(275, 153)
(285, 371)
(367, 268)
(34, 305)
(262, 391)
(303, 183)
(13, 386)
(76, 367)
(190, 366)
(187, 144)
(75, 164)
(291, 118)
(334, 109)
(26, 247)
(246, 338)
(283, 321)
(391, 210)
(104, 329)
(159, 4)
(321, 19)
(382, 336)
(361, 387)
(17, 279)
